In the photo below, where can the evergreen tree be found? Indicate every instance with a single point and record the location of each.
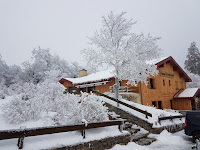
(192, 62)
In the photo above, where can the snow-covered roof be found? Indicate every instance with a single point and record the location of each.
(98, 76)
(188, 93)
(155, 61)
(107, 74)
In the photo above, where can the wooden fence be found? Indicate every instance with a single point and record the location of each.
(126, 89)
(22, 133)
(125, 104)
(169, 118)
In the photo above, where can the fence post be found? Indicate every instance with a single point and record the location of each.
(159, 120)
(146, 114)
(21, 139)
(120, 127)
(83, 133)
(20, 142)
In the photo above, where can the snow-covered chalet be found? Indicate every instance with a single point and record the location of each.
(166, 90)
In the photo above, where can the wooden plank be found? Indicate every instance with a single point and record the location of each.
(9, 134)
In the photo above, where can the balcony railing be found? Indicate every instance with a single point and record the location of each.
(127, 89)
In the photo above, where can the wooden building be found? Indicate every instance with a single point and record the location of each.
(162, 91)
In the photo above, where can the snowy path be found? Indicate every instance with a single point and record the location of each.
(165, 141)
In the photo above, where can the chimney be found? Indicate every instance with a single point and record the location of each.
(82, 73)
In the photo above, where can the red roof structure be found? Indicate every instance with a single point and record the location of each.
(176, 67)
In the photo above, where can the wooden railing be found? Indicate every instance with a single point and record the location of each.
(126, 89)
(125, 104)
(169, 118)
(22, 133)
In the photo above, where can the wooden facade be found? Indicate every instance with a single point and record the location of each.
(159, 92)
(163, 87)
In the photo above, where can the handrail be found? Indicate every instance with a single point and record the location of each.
(125, 104)
(22, 133)
(170, 118)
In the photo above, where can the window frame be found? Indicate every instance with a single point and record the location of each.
(152, 83)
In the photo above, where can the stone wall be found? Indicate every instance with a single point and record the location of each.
(102, 144)
(142, 123)
(172, 128)
(134, 97)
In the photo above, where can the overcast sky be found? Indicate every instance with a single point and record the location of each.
(63, 25)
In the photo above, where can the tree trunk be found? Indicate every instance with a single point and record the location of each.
(117, 89)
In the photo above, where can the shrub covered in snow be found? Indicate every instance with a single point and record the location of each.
(93, 109)
(18, 110)
(46, 100)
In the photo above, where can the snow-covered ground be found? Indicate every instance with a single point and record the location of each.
(165, 141)
(155, 112)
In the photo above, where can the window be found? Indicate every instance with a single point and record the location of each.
(92, 88)
(163, 82)
(159, 104)
(152, 83)
(83, 89)
(169, 83)
(154, 103)
(171, 104)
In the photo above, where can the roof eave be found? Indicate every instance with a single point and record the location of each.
(64, 80)
(171, 60)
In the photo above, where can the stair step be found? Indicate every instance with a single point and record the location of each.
(138, 137)
(127, 125)
(133, 130)
(145, 141)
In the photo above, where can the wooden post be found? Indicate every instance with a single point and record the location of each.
(159, 120)
(20, 142)
(21, 139)
(120, 127)
(146, 114)
(83, 133)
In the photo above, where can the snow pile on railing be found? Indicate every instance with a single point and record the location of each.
(156, 113)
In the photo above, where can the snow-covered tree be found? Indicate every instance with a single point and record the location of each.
(192, 62)
(45, 65)
(195, 80)
(4, 70)
(9, 74)
(117, 46)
